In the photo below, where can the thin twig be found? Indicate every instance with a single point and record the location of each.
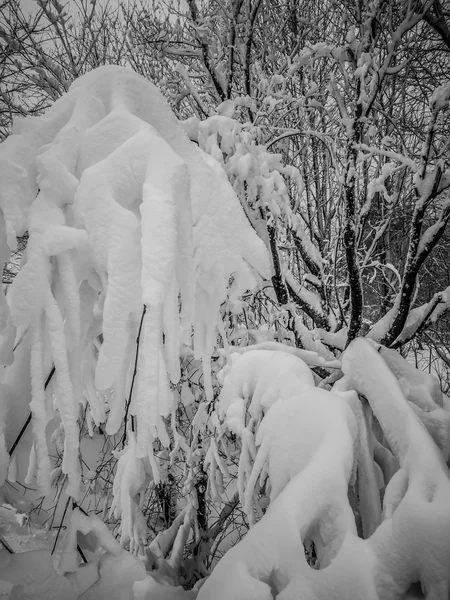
(28, 421)
(61, 523)
(5, 544)
(127, 407)
(80, 551)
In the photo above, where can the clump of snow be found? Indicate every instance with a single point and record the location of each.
(310, 357)
(440, 97)
(259, 378)
(129, 482)
(258, 176)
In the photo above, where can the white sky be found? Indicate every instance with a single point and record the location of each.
(30, 6)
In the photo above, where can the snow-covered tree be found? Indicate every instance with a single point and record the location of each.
(182, 345)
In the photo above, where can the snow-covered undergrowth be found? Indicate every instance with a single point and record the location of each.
(136, 241)
(312, 444)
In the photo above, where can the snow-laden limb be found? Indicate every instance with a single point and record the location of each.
(165, 552)
(317, 409)
(310, 357)
(254, 381)
(266, 188)
(368, 479)
(258, 176)
(333, 340)
(326, 435)
(412, 541)
(421, 243)
(423, 391)
(316, 429)
(259, 378)
(123, 212)
(417, 318)
(308, 251)
(38, 406)
(66, 402)
(310, 341)
(309, 301)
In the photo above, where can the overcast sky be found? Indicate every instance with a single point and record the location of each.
(31, 5)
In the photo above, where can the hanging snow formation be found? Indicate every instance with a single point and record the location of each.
(306, 445)
(134, 233)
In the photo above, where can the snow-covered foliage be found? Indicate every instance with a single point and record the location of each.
(211, 352)
(135, 240)
(311, 445)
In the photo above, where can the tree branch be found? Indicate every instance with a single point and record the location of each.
(349, 235)
(436, 19)
(206, 59)
(237, 5)
(248, 48)
(277, 280)
(429, 309)
(417, 253)
(136, 359)
(319, 318)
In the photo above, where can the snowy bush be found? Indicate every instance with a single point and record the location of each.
(160, 380)
(134, 234)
